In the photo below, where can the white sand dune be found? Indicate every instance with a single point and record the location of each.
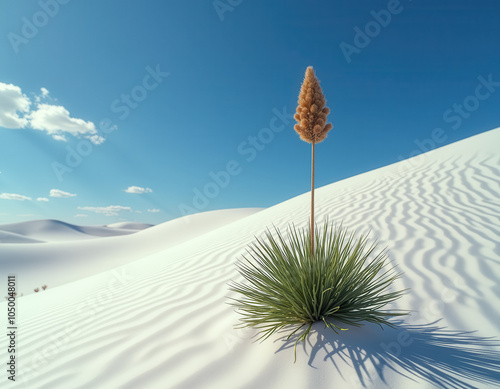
(58, 231)
(75, 255)
(160, 319)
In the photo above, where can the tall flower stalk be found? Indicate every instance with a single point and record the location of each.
(311, 124)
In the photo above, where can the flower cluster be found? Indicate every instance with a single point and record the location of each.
(311, 111)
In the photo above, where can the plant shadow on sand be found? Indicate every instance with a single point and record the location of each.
(430, 352)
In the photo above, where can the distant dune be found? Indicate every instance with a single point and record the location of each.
(130, 225)
(150, 309)
(58, 231)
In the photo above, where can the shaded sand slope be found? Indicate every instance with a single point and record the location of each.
(12, 237)
(163, 321)
(61, 261)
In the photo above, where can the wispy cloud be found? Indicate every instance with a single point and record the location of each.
(111, 210)
(96, 139)
(42, 199)
(60, 193)
(137, 190)
(13, 106)
(60, 138)
(153, 210)
(81, 215)
(43, 95)
(14, 196)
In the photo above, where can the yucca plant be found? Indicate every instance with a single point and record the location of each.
(313, 275)
(288, 287)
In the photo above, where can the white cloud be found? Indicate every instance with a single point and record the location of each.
(81, 215)
(42, 199)
(44, 95)
(111, 210)
(60, 193)
(13, 102)
(56, 121)
(60, 138)
(153, 210)
(96, 139)
(137, 190)
(14, 196)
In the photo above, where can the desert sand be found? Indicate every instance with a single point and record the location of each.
(137, 306)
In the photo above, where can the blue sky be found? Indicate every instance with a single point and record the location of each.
(129, 110)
